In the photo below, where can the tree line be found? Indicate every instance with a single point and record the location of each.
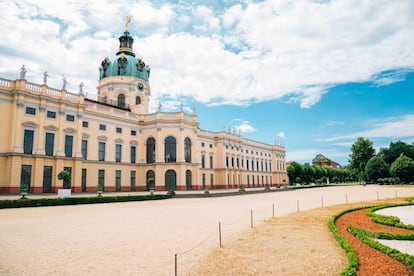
(391, 165)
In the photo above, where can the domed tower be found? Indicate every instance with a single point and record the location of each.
(124, 81)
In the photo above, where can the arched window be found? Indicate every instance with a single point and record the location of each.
(151, 150)
(188, 179)
(138, 100)
(150, 180)
(170, 150)
(170, 180)
(187, 150)
(121, 100)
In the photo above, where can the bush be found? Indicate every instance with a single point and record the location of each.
(75, 200)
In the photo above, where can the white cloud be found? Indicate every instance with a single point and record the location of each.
(247, 53)
(281, 135)
(245, 127)
(394, 128)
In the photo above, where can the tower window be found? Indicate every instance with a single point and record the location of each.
(138, 100)
(121, 100)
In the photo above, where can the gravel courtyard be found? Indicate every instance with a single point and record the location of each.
(141, 238)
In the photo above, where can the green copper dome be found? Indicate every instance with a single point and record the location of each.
(125, 63)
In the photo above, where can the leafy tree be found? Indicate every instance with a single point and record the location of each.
(65, 176)
(395, 150)
(376, 168)
(308, 173)
(403, 167)
(294, 170)
(361, 152)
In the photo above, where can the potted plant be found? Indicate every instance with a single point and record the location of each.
(150, 184)
(241, 188)
(99, 189)
(66, 191)
(23, 191)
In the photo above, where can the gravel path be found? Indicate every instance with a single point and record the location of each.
(141, 238)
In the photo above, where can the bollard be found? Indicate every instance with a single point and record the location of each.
(322, 201)
(346, 198)
(251, 218)
(175, 265)
(220, 233)
(297, 204)
(273, 210)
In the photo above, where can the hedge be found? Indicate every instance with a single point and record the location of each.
(19, 203)
(389, 220)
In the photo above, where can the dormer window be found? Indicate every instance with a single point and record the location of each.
(121, 100)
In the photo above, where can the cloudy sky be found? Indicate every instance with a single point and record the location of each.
(313, 75)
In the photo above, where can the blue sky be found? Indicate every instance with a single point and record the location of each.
(313, 75)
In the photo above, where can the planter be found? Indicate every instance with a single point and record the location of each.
(62, 193)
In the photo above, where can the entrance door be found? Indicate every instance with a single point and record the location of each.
(47, 179)
(188, 179)
(170, 180)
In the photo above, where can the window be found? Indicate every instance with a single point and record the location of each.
(133, 180)
(137, 100)
(101, 178)
(83, 180)
(211, 146)
(237, 162)
(117, 180)
(118, 130)
(47, 179)
(203, 161)
(227, 161)
(30, 110)
(101, 151)
(170, 180)
(187, 150)
(118, 152)
(211, 180)
(202, 144)
(102, 127)
(25, 176)
(66, 184)
(49, 143)
(121, 100)
(85, 124)
(28, 141)
(232, 162)
(70, 118)
(51, 114)
(84, 149)
(150, 180)
(188, 183)
(247, 164)
(211, 161)
(252, 165)
(170, 150)
(68, 145)
(203, 177)
(133, 154)
(151, 150)
(133, 133)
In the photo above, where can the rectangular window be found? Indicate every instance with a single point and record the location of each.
(248, 180)
(133, 133)
(227, 161)
(118, 130)
(133, 180)
(102, 127)
(49, 143)
(204, 180)
(47, 179)
(203, 161)
(28, 141)
(133, 154)
(118, 152)
(25, 176)
(84, 149)
(83, 180)
(85, 124)
(202, 144)
(101, 151)
(211, 180)
(211, 146)
(70, 118)
(118, 180)
(51, 114)
(211, 161)
(68, 145)
(66, 184)
(30, 110)
(101, 178)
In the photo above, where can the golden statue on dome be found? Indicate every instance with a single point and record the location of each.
(127, 21)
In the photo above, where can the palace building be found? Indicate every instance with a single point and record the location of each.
(115, 142)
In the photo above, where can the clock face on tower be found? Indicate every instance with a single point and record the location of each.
(140, 86)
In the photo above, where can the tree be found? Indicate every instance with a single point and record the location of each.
(361, 152)
(320, 160)
(376, 168)
(294, 171)
(65, 176)
(395, 150)
(308, 173)
(403, 167)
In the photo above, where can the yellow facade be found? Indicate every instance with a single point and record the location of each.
(116, 142)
